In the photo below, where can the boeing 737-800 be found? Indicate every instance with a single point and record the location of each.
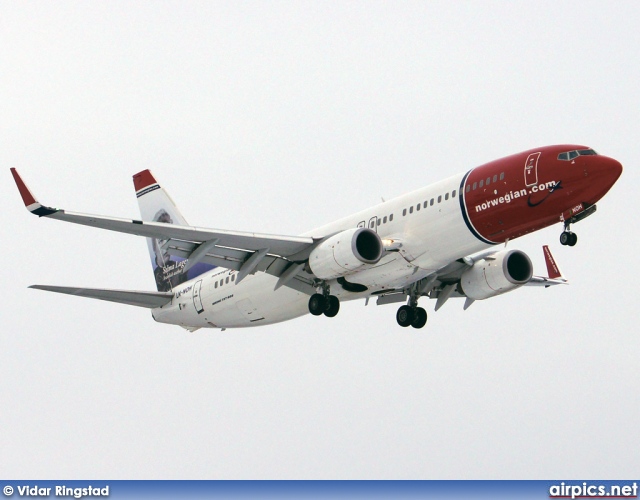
(433, 242)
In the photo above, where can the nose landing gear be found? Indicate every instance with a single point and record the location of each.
(568, 238)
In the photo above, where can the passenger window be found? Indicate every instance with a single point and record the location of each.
(384, 219)
(216, 285)
(446, 196)
(495, 178)
(431, 202)
(488, 181)
(475, 185)
(411, 209)
(439, 198)
(502, 176)
(390, 217)
(481, 183)
(221, 282)
(424, 205)
(468, 188)
(227, 280)
(418, 206)
(379, 222)
(453, 193)
(233, 277)
(404, 212)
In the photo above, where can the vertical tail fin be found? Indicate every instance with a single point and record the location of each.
(156, 205)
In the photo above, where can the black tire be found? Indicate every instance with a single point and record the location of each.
(332, 306)
(317, 304)
(565, 238)
(404, 316)
(573, 239)
(420, 318)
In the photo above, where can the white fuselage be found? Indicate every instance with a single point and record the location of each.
(427, 239)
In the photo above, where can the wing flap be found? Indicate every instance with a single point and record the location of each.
(150, 300)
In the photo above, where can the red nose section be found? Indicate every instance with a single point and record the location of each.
(603, 172)
(613, 169)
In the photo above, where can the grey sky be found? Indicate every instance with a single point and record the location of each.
(279, 117)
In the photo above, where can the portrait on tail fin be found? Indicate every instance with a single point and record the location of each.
(167, 271)
(157, 206)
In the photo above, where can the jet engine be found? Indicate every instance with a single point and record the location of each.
(498, 273)
(345, 253)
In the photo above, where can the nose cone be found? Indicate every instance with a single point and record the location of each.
(611, 170)
(603, 174)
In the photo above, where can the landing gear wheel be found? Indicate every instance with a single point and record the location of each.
(568, 238)
(404, 316)
(332, 306)
(420, 318)
(317, 304)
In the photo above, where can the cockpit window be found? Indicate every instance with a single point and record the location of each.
(570, 155)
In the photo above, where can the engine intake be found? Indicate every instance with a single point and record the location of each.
(345, 253)
(499, 273)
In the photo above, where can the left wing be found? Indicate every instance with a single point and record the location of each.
(285, 246)
(243, 251)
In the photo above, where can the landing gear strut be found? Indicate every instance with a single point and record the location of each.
(569, 238)
(324, 303)
(411, 314)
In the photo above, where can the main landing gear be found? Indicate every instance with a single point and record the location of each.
(324, 303)
(411, 314)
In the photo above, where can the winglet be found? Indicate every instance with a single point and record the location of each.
(552, 268)
(27, 197)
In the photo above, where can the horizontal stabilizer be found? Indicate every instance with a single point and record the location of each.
(150, 300)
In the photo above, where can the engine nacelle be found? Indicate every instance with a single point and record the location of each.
(345, 253)
(499, 273)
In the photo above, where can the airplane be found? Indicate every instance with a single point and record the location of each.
(438, 241)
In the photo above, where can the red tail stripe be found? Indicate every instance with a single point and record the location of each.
(143, 179)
